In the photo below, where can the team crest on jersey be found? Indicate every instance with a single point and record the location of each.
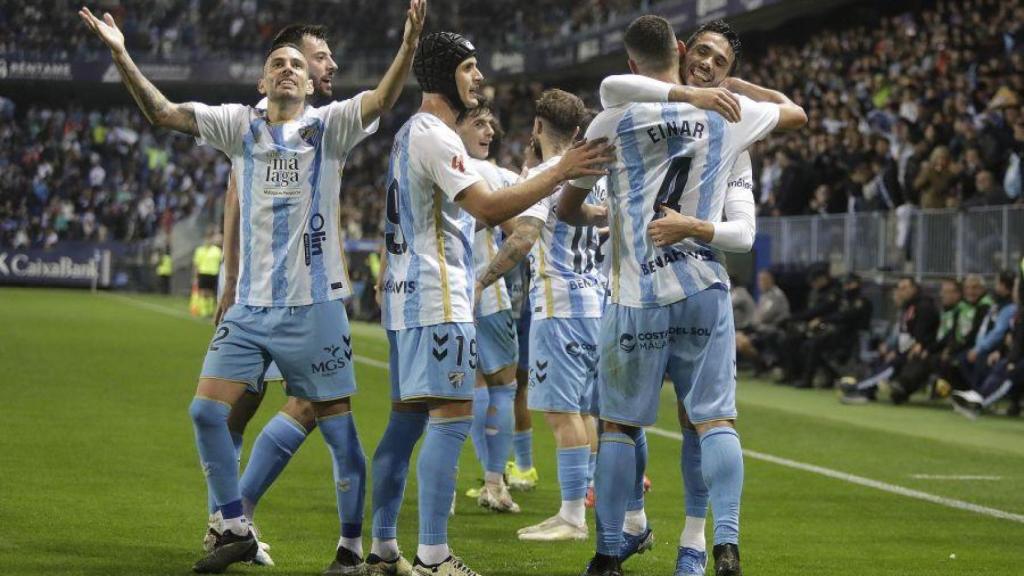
(456, 379)
(309, 134)
(459, 164)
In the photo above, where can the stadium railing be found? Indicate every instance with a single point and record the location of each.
(927, 244)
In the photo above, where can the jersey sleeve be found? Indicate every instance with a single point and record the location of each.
(621, 89)
(345, 124)
(443, 157)
(757, 120)
(601, 127)
(221, 126)
(736, 234)
(540, 210)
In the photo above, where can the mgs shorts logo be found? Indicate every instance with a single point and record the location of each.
(337, 358)
(572, 349)
(627, 342)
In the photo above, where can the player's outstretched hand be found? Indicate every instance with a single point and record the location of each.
(414, 20)
(717, 99)
(587, 158)
(106, 29)
(671, 227)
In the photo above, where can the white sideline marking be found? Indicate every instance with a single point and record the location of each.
(954, 477)
(862, 481)
(828, 472)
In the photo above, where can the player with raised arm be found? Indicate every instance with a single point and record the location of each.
(669, 307)
(282, 157)
(716, 51)
(565, 300)
(495, 391)
(434, 198)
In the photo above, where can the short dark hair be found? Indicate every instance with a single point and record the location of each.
(294, 33)
(650, 42)
(1006, 278)
(563, 111)
(720, 27)
(955, 283)
(483, 107)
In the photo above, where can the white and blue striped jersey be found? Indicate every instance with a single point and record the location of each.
(288, 176)
(676, 155)
(486, 242)
(565, 279)
(428, 236)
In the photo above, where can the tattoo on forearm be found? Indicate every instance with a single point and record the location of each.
(512, 252)
(154, 105)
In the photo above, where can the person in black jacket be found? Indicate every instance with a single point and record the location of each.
(825, 297)
(915, 334)
(835, 334)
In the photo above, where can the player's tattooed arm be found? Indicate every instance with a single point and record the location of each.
(791, 115)
(383, 97)
(154, 105)
(512, 252)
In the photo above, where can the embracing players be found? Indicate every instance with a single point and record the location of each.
(670, 309)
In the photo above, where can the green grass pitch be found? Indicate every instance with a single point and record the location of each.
(99, 473)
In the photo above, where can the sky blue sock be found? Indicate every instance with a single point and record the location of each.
(340, 433)
(616, 466)
(722, 464)
(499, 427)
(523, 444)
(637, 500)
(573, 464)
(390, 469)
(217, 453)
(435, 475)
(481, 404)
(274, 447)
(695, 490)
(591, 468)
(237, 440)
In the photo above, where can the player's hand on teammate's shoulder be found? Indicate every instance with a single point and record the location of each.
(586, 158)
(671, 227)
(414, 20)
(106, 29)
(719, 100)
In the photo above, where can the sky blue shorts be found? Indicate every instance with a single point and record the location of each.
(693, 340)
(438, 361)
(312, 346)
(497, 341)
(563, 364)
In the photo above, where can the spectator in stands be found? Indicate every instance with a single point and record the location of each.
(986, 191)
(771, 312)
(1005, 379)
(824, 300)
(836, 336)
(914, 335)
(742, 304)
(974, 365)
(935, 182)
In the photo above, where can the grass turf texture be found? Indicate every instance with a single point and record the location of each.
(99, 472)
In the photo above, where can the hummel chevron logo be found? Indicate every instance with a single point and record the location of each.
(541, 375)
(441, 340)
(348, 353)
(440, 353)
(542, 365)
(347, 339)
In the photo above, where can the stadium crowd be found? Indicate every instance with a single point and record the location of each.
(922, 110)
(181, 30)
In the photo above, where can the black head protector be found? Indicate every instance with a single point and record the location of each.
(437, 57)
